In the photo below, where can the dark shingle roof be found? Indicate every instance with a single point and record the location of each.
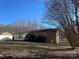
(43, 30)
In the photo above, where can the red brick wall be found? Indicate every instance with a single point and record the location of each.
(50, 35)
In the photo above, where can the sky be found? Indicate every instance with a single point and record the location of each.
(12, 10)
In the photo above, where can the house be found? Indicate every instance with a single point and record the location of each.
(19, 36)
(48, 35)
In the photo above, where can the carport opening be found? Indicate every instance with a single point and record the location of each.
(34, 38)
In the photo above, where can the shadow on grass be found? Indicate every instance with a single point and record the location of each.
(54, 57)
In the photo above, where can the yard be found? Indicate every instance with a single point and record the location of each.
(14, 49)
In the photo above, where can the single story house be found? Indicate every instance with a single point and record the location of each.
(41, 35)
(45, 35)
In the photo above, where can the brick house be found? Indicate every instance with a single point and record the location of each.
(51, 35)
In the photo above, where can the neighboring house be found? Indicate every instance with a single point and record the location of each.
(6, 36)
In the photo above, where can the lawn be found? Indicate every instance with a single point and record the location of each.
(30, 49)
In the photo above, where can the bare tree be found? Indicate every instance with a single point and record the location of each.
(24, 25)
(64, 12)
(21, 26)
(31, 24)
(76, 7)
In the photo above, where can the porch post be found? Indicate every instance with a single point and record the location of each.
(57, 37)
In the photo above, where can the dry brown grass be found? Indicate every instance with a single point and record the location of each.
(34, 50)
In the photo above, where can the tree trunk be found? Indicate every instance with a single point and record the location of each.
(73, 44)
(71, 39)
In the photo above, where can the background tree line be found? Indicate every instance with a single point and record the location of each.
(21, 26)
